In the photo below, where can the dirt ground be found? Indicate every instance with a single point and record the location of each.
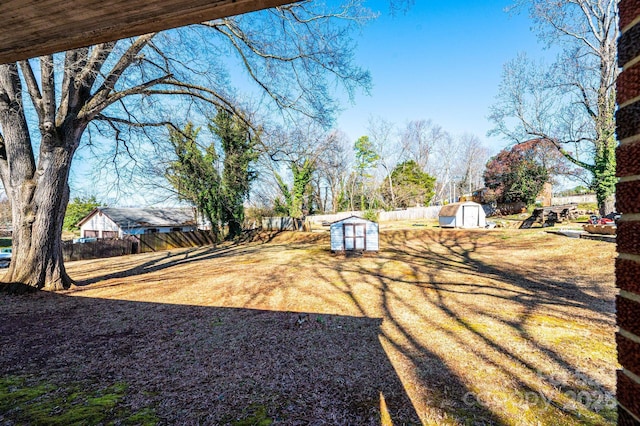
(501, 327)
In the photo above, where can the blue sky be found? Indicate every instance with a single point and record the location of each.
(442, 61)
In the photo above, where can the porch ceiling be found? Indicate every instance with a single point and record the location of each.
(37, 27)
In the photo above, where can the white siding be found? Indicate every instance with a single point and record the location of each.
(370, 237)
(470, 216)
(98, 222)
(337, 237)
(447, 221)
(373, 237)
(160, 229)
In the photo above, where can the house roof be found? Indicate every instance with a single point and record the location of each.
(146, 217)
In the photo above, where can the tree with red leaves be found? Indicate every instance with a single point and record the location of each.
(515, 175)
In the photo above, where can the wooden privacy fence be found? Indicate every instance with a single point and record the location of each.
(284, 223)
(172, 240)
(98, 249)
(133, 244)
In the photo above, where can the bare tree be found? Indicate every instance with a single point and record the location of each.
(382, 135)
(333, 168)
(419, 139)
(293, 54)
(572, 102)
(472, 158)
(446, 167)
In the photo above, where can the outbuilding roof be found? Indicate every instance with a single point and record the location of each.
(146, 217)
(449, 209)
(452, 209)
(351, 217)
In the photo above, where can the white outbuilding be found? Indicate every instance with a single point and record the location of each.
(354, 234)
(466, 214)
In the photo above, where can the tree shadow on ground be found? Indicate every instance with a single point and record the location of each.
(454, 322)
(464, 314)
(169, 258)
(205, 365)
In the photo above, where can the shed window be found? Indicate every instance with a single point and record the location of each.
(355, 236)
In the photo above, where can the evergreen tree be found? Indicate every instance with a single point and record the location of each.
(412, 185)
(366, 158)
(239, 152)
(296, 200)
(194, 175)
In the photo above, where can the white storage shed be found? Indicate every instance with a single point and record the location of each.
(354, 234)
(466, 214)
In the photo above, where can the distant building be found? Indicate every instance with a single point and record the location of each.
(354, 234)
(112, 222)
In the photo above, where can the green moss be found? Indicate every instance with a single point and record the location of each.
(25, 400)
(144, 417)
(15, 391)
(257, 417)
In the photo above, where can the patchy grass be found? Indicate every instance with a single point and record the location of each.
(588, 206)
(499, 327)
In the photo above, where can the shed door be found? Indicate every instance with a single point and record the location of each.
(355, 236)
(470, 216)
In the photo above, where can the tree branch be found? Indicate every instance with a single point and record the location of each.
(98, 104)
(70, 92)
(139, 124)
(48, 93)
(99, 55)
(119, 68)
(32, 88)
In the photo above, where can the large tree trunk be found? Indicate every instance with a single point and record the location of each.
(38, 194)
(38, 208)
(38, 215)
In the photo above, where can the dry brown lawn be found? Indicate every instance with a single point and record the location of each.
(441, 327)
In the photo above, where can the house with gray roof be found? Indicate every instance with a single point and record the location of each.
(113, 222)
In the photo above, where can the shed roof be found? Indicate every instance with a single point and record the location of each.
(351, 217)
(146, 217)
(452, 209)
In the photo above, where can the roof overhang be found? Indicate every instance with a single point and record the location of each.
(32, 28)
